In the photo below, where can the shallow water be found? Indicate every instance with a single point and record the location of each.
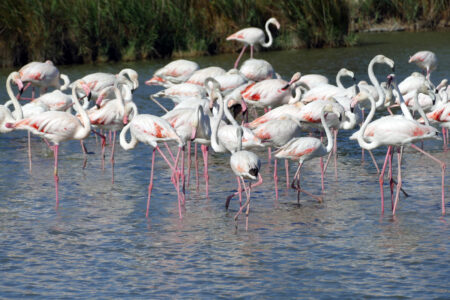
(99, 244)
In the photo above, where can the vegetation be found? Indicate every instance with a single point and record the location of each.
(79, 31)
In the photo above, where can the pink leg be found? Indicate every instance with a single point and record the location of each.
(286, 166)
(444, 137)
(55, 174)
(443, 167)
(381, 178)
(251, 51)
(170, 152)
(83, 147)
(335, 131)
(189, 164)
(275, 178)
(239, 192)
(322, 171)
(182, 175)
(362, 149)
(103, 147)
(204, 149)
(374, 161)
(196, 167)
(391, 180)
(29, 151)
(399, 178)
(243, 206)
(150, 186)
(112, 156)
(269, 155)
(239, 57)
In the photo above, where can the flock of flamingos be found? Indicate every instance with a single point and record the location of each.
(210, 101)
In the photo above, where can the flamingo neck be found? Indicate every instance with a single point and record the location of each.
(216, 122)
(376, 84)
(66, 83)
(17, 107)
(330, 138)
(123, 141)
(362, 143)
(269, 43)
(420, 109)
(85, 121)
(403, 106)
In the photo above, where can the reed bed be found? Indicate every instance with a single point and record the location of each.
(83, 31)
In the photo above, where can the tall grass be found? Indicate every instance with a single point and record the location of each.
(78, 31)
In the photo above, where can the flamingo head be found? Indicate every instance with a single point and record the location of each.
(361, 96)
(16, 78)
(296, 77)
(381, 59)
(274, 22)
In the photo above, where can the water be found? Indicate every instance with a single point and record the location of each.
(99, 244)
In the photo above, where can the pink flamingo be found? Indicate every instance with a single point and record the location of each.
(151, 130)
(270, 92)
(42, 75)
(310, 81)
(251, 36)
(58, 126)
(426, 60)
(257, 70)
(199, 76)
(175, 72)
(245, 164)
(394, 131)
(302, 149)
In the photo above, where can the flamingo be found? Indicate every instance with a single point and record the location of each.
(56, 100)
(175, 72)
(276, 133)
(6, 116)
(151, 130)
(231, 80)
(245, 164)
(257, 69)
(42, 75)
(251, 36)
(100, 80)
(394, 131)
(302, 149)
(426, 60)
(58, 126)
(270, 92)
(310, 81)
(278, 112)
(199, 76)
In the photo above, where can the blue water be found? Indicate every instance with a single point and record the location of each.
(99, 244)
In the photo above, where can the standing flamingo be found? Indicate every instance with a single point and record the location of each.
(42, 75)
(394, 131)
(251, 36)
(245, 164)
(426, 60)
(151, 130)
(175, 72)
(6, 116)
(306, 148)
(58, 126)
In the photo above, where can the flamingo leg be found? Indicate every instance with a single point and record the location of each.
(103, 147)
(245, 204)
(275, 178)
(251, 51)
(182, 175)
(286, 166)
(374, 161)
(362, 149)
(189, 164)
(444, 137)
(240, 56)
(112, 156)
(150, 185)
(399, 178)
(204, 149)
(335, 132)
(299, 189)
(29, 152)
(196, 167)
(239, 191)
(443, 167)
(391, 180)
(55, 174)
(269, 155)
(381, 178)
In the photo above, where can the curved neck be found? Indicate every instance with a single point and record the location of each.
(361, 131)
(376, 84)
(123, 141)
(403, 106)
(269, 43)
(66, 80)
(228, 114)
(15, 102)
(338, 79)
(298, 95)
(330, 138)
(420, 109)
(216, 122)
(85, 122)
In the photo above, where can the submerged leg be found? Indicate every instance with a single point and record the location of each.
(399, 178)
(150, 185)
(55, 174)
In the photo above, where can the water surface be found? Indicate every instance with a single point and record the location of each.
(99, 244)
